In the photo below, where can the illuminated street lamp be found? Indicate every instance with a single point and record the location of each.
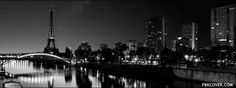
(186, 57)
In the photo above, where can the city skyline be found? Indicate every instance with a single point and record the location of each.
(25, 25)
(121, 44)
(223, 25)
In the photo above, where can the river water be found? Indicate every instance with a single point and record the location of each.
(41, 74)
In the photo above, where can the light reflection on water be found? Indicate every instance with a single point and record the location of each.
(41, 74)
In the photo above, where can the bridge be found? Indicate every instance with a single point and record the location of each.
(4, 58)
(39, 54)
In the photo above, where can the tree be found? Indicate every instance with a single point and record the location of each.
(166, 58)
(132, 54)
(83, 51)
(68, 52)
(119, 51)
(107, 55)
(222, 53)
(177, 57)
(92, 56)
(143, 52)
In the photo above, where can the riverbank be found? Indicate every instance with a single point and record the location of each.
(206, 69)
(159, 73)
(207, 75)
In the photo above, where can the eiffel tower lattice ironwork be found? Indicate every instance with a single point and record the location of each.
(51, 48)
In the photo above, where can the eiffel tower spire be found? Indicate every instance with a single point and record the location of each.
(51, 32)
(51, 47)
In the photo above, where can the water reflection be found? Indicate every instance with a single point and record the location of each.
(50, 83)
(109, 81)
(44, 74)
(36, 65)
(100, 79)
(68, 75)
(82, 79)
(105, 80)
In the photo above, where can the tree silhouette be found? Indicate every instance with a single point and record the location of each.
(107, 55)
(166, 57)
(143, 52)
(132, 54)
(83, 51)
(68, 53)
(119, 51)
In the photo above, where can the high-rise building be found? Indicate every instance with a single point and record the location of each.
(189, 31)
(132, 45)
(173, 44)
(182, 44)
(223, 25)
(156, 33)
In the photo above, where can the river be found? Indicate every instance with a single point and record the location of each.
(42, 74)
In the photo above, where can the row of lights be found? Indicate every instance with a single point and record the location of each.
(192, 58)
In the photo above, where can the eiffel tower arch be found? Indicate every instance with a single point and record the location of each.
(51, 47)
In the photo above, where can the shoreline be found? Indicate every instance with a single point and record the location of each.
(166, 74)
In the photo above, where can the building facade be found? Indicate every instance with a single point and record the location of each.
(156, 33)
(223, 25)
(189, 31)
(132, 45)
(182, 44)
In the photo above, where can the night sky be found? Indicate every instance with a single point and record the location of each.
(24, 25)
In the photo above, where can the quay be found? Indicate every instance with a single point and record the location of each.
(160, 73)
(207, 74)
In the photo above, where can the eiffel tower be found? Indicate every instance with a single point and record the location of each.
(51, 48)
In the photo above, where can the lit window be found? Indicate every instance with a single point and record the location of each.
(217, 23)
(230, 40)
(222, 39)
(179, 38)
(231, 8)
(212, 27)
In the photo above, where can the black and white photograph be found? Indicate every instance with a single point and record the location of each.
(117, 44)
